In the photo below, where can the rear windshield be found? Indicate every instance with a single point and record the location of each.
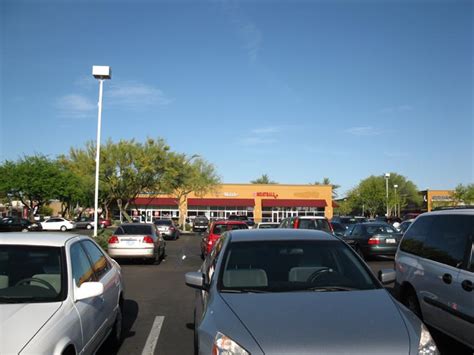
(163, 222)
(267, 226)
(133, 229)
(221, 228)
(319, 224)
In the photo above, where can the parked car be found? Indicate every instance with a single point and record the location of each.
(88, 223)
(405, 224)
(307, 222)
(348, 220)
(435, 271)
(137, 241)
(59, 294)
(56, 224)
(167, 228)
(200, 224)
(338, 228)
(249, 221)
(267, 225)
(215, 230)
(16, 224)
(325, 290)
(372, 239)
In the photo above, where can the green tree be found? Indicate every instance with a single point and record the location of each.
(264, 179)
(33, 180)
(370, 195)
(184, 175)
(464, 194)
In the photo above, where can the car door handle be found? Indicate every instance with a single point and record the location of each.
(467, 285)
(447, 278)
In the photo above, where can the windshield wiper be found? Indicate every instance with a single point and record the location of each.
(328, 288)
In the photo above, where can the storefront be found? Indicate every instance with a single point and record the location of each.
(272, 202)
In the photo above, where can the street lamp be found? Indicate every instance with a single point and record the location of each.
(387, 176)
(101, 73)
(396, 200)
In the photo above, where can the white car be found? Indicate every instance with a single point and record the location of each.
(57, 224)
(59, 294)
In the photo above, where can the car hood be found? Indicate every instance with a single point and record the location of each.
(364, 322)
(20, 322)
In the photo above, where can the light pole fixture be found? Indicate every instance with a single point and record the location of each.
(101, 73)
(387, 176)
(396, 200)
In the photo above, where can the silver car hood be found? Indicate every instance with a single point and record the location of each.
(20, 322)
(356, 322)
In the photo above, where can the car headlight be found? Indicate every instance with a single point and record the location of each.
(427, 345)
(223, 345)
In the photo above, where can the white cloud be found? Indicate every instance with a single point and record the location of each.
(135, 95)
(75, 106)
(363, 131)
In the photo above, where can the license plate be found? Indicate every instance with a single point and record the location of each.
(390, 241)
(131, 242)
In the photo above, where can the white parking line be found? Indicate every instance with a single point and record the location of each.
(152, 339)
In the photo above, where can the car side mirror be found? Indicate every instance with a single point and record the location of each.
(195, 280)
(89, 290)
(387, 276)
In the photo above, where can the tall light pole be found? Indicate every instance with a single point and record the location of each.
(396, 201)
(387, 176)
(101, 73)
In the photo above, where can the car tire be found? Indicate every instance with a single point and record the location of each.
(410, 300)
(63, 228)
(89, 226)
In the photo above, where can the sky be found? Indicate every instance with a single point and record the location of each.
(298, 90)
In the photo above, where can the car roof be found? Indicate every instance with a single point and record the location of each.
(309, 217)
(136, 224)
(40, 238)
(464, 211)
(279, 235)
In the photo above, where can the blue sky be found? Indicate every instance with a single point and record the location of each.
(299, 90)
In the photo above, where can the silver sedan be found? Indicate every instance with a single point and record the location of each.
(297, 292)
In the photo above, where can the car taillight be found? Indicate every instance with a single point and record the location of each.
(374, 241)
(113, 239)
(296, 223)
(148, 239)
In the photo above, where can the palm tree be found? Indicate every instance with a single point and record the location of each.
(327, 181)
(264, 179)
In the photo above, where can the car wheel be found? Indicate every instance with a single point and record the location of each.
(115, 337)
(89, 226)
(411, 302)
(63, 228)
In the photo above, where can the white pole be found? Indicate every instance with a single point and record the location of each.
(386, 189)
(97, 159)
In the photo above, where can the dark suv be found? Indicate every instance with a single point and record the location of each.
(249, 222)
(200, 224)
(435, 271)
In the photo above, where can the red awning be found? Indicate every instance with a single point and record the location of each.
(155, 201)
(293, 203)
(235, 202)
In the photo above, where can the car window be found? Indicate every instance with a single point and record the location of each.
(219, 229)
(388, 229)
(238, 226)
(285, 266)
(98, 259)
(134, 229)
(358, 230)
(163, 222)
(349, 230)
(414, 238)
(81, 267)
(213, 257)
(470, 266)
(447, 239)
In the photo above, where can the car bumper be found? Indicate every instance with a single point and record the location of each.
(376, 250)
(131, 253)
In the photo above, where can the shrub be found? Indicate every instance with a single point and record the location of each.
(103, 237)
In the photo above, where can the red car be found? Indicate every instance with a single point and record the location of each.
(215, 230)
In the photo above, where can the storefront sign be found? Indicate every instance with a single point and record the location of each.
(266, 194)
(442, 198)
(230, 194)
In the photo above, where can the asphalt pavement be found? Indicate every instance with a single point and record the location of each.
(158, 308)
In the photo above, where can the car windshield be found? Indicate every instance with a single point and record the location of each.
(30, 274)
(133, 229)
(338, 227)
(163, 222)
(266, 226)
(288, 266)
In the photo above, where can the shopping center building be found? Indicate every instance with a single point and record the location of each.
(266, 202)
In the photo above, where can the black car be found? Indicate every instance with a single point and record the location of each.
(348, 220)
(16, 224)
(338, 228)
(249, 222)
(373, 239)
(200, 224)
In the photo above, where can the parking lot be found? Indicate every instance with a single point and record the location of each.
(158, 315)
